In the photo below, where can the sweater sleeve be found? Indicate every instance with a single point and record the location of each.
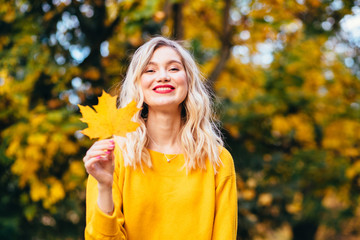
(99, 225)
(225, 222)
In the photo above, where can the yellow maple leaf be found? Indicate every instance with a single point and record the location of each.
(108, 120)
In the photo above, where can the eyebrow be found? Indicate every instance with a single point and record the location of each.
(169, 62)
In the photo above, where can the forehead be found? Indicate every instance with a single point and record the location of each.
(165, 54)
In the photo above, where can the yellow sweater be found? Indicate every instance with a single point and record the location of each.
(165, 203)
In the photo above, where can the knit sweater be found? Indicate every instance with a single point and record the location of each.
(165, 202)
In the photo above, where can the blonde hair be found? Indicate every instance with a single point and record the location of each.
(200, 136)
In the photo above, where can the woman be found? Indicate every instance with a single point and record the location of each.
(171, 178)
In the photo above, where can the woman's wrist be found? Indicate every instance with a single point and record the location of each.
(104, 188)
(105, 199)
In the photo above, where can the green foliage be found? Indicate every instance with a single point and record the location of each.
(289, 105)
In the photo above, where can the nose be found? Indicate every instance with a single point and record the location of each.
(163, 76)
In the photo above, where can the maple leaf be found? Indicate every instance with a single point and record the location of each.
(108, 120)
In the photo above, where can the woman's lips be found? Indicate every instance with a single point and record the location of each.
(164, 89)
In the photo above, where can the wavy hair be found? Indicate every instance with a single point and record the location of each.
(199, 134)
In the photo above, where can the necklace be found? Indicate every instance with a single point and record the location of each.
(167, 159)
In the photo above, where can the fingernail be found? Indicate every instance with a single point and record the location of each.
(112, 141)
(98, 157)
(107, 152)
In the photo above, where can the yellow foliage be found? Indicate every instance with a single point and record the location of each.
(38, 190)
(33, 146)
(248, 194)
(246, 190)
(280, 125)
(10, 13)
(207, 16)
(266, 109)
(296, 206)
(251, 182)
(74, 176)
(351, 152)
(135, 38)
(240, 83)
(77, 168)
(353, 170)
(5, 82)
(48, 16)
(33, 153)
(233, 130)
(13, 146)
(267, 157)
(56, 192)
(265, 199)
(37, 119)
(25, 169)
(249, 146)
(51, 148)
(69, 147)
(304, 130)
(335, 199)
(342, 135)
(239, 182)
(300, 123)
(314, 3)
(37, 139)
(92, 73)
(112, 8)
(314, 79)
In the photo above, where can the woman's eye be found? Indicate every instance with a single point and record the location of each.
(174, 69)
(149, 71)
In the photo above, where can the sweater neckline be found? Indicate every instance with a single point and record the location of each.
(173, 168)
(161, 153)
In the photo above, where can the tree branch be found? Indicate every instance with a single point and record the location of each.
(226, 44)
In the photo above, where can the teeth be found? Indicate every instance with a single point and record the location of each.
(163, 88)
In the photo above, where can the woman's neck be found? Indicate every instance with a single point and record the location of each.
(163, 131)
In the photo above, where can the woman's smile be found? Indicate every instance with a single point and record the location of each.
(162, 89)
(164, 80)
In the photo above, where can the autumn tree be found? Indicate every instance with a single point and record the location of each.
(285, 73)
(294, 121)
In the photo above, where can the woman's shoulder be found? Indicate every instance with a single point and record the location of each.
(226, 167)
(224, 154)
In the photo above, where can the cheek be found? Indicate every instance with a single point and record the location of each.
(144, 83)
(186, 83)
(185, 86)
(183, 81)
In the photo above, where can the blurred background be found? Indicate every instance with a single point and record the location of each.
(287, 78)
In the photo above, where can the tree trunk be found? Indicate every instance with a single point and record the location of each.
(305, 230)
(178, 29)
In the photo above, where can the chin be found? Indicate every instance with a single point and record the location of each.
(168, 105)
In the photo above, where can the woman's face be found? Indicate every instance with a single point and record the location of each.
(164, 81)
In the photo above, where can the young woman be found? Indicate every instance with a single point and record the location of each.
(171, 178)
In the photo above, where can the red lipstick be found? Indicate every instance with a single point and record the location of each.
(163, 88)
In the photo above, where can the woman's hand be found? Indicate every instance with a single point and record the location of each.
(99, 162)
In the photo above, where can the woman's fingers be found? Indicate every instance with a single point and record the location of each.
(92, 163)
(98, 161)
(102, 174)
(100, 148)
(104, 143)
(96, 153)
